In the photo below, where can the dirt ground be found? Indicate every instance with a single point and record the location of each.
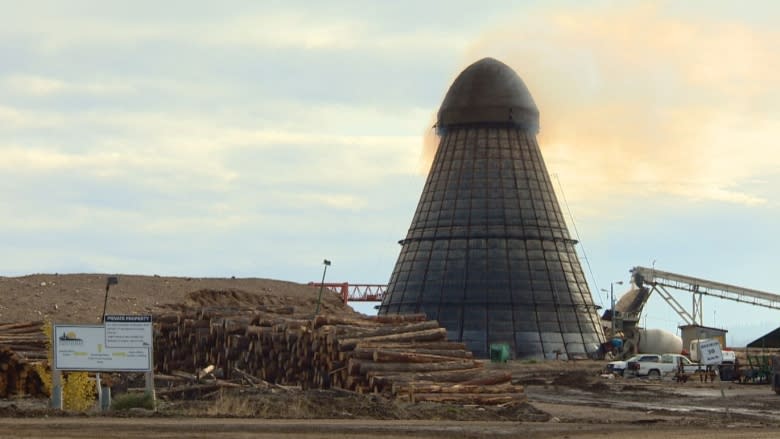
(337, 429)
(565, 399)
(79, 298)
(594, 407)
(574, 393)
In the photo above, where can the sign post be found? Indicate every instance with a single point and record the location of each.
(711, 354)
(84, 348)
(123, 343)
(56, 389)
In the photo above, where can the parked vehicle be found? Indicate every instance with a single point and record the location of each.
(655, 366)
(652, 341)
(634, 364)
(776, 373)
(727, 369)
(619, 367)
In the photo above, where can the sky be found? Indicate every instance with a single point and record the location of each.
(256, 138)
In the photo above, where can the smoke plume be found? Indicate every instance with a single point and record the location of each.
(636, 102)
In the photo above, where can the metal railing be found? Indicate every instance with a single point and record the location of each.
(355, 292)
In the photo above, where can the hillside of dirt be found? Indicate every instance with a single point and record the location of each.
(79, 298)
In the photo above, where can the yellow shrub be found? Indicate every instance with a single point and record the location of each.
(78, 391)
(43, 371)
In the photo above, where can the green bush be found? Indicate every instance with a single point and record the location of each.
(127, 401)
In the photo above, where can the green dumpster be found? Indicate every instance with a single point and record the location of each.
(499, 352)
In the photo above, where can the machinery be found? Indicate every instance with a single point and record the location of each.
(645, 281)
(776, 374)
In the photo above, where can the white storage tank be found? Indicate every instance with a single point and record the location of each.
(658, 341)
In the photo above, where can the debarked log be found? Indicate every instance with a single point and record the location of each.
(490, 378)
(414, 346)
(445, 376)
(365, 367)
(387, 356)
(425, 335)
(346, 332)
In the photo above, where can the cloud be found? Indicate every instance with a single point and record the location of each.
(12, 117)
(35, 85)
(430, 143)
(338, 201)
(309, 31)
(309, 27)
(635, 100)
(147, 173)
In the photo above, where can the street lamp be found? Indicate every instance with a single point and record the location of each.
(111, 280)
(326, 263)
(104, 395)
(612, 301)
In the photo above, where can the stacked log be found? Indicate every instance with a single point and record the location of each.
(404, 357)
(400, 356)
(26, 339)
(21, 346)
(261, 345)
(18, 376)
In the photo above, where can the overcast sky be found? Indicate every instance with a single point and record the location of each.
(256, 138)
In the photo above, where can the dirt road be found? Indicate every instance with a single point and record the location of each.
(638, 409)
(331, 429)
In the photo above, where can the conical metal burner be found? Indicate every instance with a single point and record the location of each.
(488, 253)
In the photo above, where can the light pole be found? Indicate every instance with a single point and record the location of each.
(326, 263)
(612, 301)
(104, 395)
(111, 280)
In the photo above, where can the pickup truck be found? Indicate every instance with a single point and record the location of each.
(654, 365)
(619, 367)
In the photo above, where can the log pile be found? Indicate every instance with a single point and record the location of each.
(18, 376)
(26, 339)
(257, 343)
(405, 357)
(400, 356)
(21, 345)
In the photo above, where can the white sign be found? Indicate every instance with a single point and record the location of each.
(85, 347)
(128, 331)
(710, 351)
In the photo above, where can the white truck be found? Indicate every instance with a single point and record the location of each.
(619, 367)
(655, 365)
